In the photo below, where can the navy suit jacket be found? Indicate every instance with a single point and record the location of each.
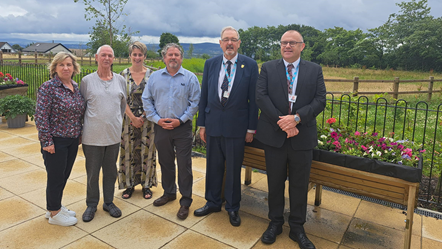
(240, 112)
(272, 99)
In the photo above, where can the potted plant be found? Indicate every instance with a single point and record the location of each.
(15, 108)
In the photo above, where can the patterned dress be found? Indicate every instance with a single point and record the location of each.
(138, 154)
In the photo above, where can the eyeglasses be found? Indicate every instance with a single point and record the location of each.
(292, 43)
(227, 40)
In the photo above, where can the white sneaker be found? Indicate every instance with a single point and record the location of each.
(62, 219)
(63, 209)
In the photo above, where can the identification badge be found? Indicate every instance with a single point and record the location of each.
(226, 94)
(292, 98)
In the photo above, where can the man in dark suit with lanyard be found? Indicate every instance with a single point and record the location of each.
(290, 93)
(227, 118)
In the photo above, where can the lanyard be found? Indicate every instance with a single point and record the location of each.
(292, 79)
(229, 76)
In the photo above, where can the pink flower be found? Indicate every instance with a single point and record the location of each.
(334, 135)
(357, 133)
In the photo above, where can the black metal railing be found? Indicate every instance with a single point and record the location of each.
(34, 75)
(401, 120)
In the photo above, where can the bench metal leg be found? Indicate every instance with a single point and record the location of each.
(410, 212)
(318, 195)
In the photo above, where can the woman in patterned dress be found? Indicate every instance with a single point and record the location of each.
(137, 154)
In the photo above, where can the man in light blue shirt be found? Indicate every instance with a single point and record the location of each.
(171, 100)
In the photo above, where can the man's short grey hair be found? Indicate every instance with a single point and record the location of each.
(99, 49)
(229, 28)
(171, 45)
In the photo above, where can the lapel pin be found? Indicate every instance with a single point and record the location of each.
(242, 66)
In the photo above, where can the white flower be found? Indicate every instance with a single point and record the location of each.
(323, 136)
(320, 142)
(378, 153)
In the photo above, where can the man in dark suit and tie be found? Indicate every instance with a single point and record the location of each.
(227, 118)
(290, 93)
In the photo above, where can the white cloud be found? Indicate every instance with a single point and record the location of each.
(12, 10)
(195, 20)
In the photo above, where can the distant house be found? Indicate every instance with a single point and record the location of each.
(6, 48)
(46, 48)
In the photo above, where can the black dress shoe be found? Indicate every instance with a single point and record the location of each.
(235, 220)
(269, 236)
(303, 241)
(206, 210)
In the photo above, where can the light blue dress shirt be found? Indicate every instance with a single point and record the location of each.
(167, 96)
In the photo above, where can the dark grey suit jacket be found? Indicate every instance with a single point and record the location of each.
(272, 99)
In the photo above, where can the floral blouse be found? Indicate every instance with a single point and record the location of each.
(59, 111)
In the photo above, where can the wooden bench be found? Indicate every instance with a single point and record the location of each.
(355, 181)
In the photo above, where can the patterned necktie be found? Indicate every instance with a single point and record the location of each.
(289, 69)
(225, 85)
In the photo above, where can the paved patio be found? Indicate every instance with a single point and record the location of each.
(340, 222)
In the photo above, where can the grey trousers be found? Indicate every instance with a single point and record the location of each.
(168, 142)
(98, 157)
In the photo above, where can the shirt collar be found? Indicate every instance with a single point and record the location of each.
(180, 71)
(233, 60)
(295, 64)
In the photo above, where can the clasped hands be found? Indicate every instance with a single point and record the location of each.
(137, 122)
(288, 124)
(169, 123)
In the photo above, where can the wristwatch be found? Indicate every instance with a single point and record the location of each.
(297, 119)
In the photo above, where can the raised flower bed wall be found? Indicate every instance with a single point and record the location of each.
(6, 90)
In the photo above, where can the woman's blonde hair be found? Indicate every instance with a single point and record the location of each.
(59, 57)
(138, 45)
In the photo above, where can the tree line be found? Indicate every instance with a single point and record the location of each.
(410, 40)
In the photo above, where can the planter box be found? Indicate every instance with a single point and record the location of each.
(6, 90)
(17, 122)
(406, 173)
(363, 176)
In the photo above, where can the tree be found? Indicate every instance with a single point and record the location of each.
(411, 38)
(106, 12)
(17, 47)
(99, 36)
(205, 56)
(339, 43)
(166, 38)
(190, 51)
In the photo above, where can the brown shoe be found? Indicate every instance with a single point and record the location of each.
(183, 212)
(163, 200)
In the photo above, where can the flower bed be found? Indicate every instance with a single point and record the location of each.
(354, 143)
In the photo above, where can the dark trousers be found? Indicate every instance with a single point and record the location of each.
(169, 142)
(58, 167)
(98, 157)
(224, 154)
(299, 164)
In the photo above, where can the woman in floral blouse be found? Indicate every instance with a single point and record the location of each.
(60, 109)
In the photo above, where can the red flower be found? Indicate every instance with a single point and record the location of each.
(331, 121)
(1, 74)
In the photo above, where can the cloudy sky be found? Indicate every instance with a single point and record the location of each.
(191, 20)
